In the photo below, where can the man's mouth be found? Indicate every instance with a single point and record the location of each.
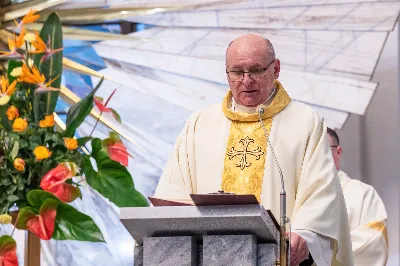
(250, 92)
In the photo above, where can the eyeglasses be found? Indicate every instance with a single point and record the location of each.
(256, 74)
(334, 146)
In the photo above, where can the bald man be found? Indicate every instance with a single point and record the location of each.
(367, 214)
(224, 147)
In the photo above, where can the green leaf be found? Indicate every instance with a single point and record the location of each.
(51, 136)
(34, 141)
(74, 225)
(70, 223)
(26, 214)
(4, 181)
(116, 115)
(112, 180)
(98, 152)
(15, 150)
(11, 65)
(82, 141)
(23, 144)
(78, 112)
(52, 67)
(115, 136)
(12, 198)
(4, 119)
(37, 197)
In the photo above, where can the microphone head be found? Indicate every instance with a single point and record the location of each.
(261, 109)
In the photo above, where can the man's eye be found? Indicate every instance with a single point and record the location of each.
(237, 72)
(255, 71)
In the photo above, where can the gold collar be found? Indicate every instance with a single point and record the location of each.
(279, 102)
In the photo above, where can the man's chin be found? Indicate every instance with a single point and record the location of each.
(250, 102)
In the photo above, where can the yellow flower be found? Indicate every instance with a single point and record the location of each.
(5, 219)
(19, 164)
(29, 18)
(6, 90)
(30, 62)
(29, 37)
(14, 44)
(71, 143)
(20, 125)
(48, 121)
(12, 112)
(41, 153)
(31, 77)
(16, 72)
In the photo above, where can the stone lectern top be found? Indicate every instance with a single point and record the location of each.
(200, 221)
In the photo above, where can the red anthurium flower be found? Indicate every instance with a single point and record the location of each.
(8, 251)
(98, 101)
(116, 149)
(41, 225)
(54, 182)
(119, 153)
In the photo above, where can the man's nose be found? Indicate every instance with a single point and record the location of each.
(247, 80)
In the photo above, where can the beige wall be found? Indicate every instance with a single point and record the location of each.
(372, 142)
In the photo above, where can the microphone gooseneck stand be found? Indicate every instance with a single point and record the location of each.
(284, 256)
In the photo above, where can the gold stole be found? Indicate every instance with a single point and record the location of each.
(246, 148)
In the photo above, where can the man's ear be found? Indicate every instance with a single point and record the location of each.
(277, 68)
(339, 150)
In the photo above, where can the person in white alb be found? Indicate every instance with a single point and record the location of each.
(224, 147)
(366, 212)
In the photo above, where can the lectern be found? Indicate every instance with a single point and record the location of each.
(235, 235)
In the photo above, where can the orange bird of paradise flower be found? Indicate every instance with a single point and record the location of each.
(14, 44)
(6, 90)
(42, 47)
(35, 77)
(28, 18)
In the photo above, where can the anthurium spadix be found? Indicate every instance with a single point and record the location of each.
(54, 182)
(42, 223)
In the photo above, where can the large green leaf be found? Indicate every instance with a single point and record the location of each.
(82, 141)
(70, 223)
(78, 112)
(112, 180)
(52, 67)
(4, 119)
(74, 225)
(15, 150)
(36, 197)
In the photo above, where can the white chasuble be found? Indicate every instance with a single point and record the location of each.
(367, 219)
(220, 149)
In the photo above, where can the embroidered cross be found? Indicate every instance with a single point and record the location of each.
(243, 163)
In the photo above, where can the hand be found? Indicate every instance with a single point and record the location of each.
(298, 248)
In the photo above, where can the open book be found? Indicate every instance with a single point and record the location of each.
(207, 200)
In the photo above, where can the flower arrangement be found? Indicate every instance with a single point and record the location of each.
(42, 165)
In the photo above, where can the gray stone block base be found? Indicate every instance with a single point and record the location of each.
(138, 256)
(233, 250)
(267, 254)
(221, 250)
(169, 251)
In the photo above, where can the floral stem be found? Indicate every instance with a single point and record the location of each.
(95, 125)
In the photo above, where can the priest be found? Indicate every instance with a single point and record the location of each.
(367, 214)
(224, 147)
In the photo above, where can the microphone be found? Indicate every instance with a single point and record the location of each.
(283, 217)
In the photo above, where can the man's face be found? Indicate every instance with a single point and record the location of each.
(336, 151)
(254, 88)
